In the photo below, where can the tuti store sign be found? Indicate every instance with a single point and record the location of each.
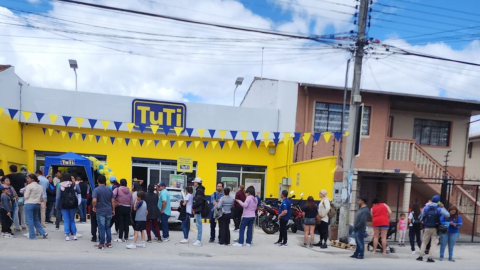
(167, 115)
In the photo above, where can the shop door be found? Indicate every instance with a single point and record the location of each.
(153, 176)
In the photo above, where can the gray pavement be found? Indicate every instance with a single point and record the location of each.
(55, 253)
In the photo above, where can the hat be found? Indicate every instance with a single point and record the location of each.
(323, 192)
(23, 167)
(162, 184)
(436, 199)
(197, 180)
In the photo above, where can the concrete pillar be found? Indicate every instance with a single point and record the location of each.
(407, 189)
(353, 199)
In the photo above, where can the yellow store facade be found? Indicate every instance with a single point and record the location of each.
(147, 139)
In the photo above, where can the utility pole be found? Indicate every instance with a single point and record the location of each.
(443, 194)
(353, 123)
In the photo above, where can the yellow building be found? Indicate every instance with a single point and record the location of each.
(145, 139)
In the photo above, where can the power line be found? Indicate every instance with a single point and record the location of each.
(440, 8)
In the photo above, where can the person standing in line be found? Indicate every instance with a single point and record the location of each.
(454, 223)
(431, 219)
(226, 204)
(165, 210)
(51, 195)
(123, 201)
(323, 209)
(93, 221)
(402, 229)
(310, 212)
(415, 226)
(359, 228)
(67, 204)
(114, 220)
(214, 199)
(33, 198)
(284, 216)
(18, 181)
(5, 183)
(198, 207)
(153, 214)
(43, 206)
(380, 222)
(103, 204)
(82, 208)
(56, 180)
(237, 209)
(197, 184)
(248, 218)
(6, 209)
(141, 212)
(187, 203)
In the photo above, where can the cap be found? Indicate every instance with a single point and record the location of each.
(162, 184)
(23, 167)
(323, 192)
(435, 198)
(197, 180)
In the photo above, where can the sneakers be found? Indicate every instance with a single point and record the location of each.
(236, 230)
(67, 238)
(430, 260)
(101, 246)
(149, 240)
(132, 246)
(277, 243)
(166, 239)
(248, 245)
(115, 233)
(354, 256)
(142, 245)
(413, 252)
(78, 235)
(93, 240)
(7, 235)
(184, 241)
(304, 245)
(211, 240)
(324, 246)
(420, 259)
(221, 245)
(75, 237)
(45, 236)
(319, 244)
(108, 245)
(440, 259)
(283, 245)
(159, 240)
(119, 240)
(451, 260)
(359, 258)
(310, 246)
(197, 243)
(237, 245)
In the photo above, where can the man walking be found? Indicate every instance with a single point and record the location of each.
(165, 210)
(284, 216)
(359, 227)
(43, 206)
(323, 209)
(82, 208)
(431, 219)
(103, 203)
(214, 199)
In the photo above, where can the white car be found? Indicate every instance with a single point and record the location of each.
(176, 195)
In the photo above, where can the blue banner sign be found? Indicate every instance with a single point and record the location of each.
(67, 162)
(167, 115)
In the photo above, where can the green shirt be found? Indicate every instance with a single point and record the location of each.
(165, 197)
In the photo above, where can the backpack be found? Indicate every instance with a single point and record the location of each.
(69, 198)
(431, 217)
(333, 211)
(206, 209)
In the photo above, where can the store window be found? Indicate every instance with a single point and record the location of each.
(235, 175)
(328, 117)
(431, 132)
(40, 158)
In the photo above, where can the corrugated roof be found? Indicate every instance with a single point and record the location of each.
(4, 67)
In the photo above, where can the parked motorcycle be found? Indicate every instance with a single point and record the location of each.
(268, 216)
(296, 216)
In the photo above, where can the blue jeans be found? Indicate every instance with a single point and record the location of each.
(103, 223)
(246, 222)
(186, 226)
(360, 242)
(198, 221)
(82, 209)
(69, 221)
(164, 219)
(450, 239)
(33, 220)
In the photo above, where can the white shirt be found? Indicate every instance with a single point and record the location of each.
(324, 208)
(189, 200)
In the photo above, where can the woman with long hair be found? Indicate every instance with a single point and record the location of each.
(33, 198)
(124, 201)
(237, 209)
(248, 217)
(67, 203)
(415, 226)
(226, 204)
(310, 211)
(380, 223)
(455, 222)
(187, 203)
(153, 214)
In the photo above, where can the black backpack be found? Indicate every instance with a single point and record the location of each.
(69, 198)
(206, 209)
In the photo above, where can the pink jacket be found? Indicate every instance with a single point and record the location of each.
(123, 195)
(249, 206)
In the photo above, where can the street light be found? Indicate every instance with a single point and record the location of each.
(73, 64)
(238, 82)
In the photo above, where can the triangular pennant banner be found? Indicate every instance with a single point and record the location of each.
(120, 140)
(178, 131)
(39, 116)
(221, 143)
(266, 142)
(26, 115)
(296, 137)
(134, 142)
(149, 142)
(276, 135)
(239, 143)
(142, 127)
(233, 133)
(189, 131)
(1, 111)
(197, 143)
(347, 133)
(44, 130)
(70, 134)
(57, 130)
(205, 143)
(222, 133)
(97, 137)
(164, 142)
(105, 124)
(337, 135)
(286, 136)
(180, 143)
(66, 119)
(306, 137)
(90, 138)
(156, 142)
(127, 141)
(188, 143)
(12, 113)
(244, 134)
(53, 118)
(83, 136)
(79, 121)
(212, 132)
(214, 144)
(172, 143)
(255, 135)
(112, 139)
(141, 141)
(316, 136)
(275, 141)
(257, 143)
(105, 139)
(77, 136)
(117, 125)
(154, 128)
(266, 134)
(326, 136)
(201, 131)
(130, 127)
(92, 122)
(248, 143)
(230, 144)
(166, 130)
(50, 131)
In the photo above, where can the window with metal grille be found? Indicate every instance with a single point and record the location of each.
(431, 132)
(328, 117)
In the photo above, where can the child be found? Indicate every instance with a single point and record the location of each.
(402, 229)
(6, 209)
(140, 207)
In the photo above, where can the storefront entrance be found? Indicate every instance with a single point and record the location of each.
(235, 175)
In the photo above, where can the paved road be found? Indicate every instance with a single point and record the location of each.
(57, 254)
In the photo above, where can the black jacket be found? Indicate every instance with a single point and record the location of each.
(152, 206)
(199, 201)
(18, 181)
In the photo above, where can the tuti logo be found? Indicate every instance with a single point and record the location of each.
(167, 115)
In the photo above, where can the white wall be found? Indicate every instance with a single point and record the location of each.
(119, 108)
(472, 165)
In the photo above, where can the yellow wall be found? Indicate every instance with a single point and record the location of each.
(10, 143)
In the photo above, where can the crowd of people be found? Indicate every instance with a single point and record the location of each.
(32, 199)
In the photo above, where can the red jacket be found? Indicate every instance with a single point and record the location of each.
(240, 195)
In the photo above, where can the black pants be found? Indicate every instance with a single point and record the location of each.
(93, 225)
(283, 231)
(122, 214)
(237, 216)
(6, 221)
(58, 218)
(114, 221)
(323, 230)
(414, 232)
(213, 225)
(48, 213)
(224, 232)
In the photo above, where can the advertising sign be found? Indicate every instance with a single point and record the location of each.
(256, 183)
(184, 164)
(177, 181)
(231, 183)
(167, 115)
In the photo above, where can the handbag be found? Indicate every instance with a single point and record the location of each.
(442, 229)
(318, 219)
(21, 201)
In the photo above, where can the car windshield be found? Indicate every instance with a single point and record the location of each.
(175, 195)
